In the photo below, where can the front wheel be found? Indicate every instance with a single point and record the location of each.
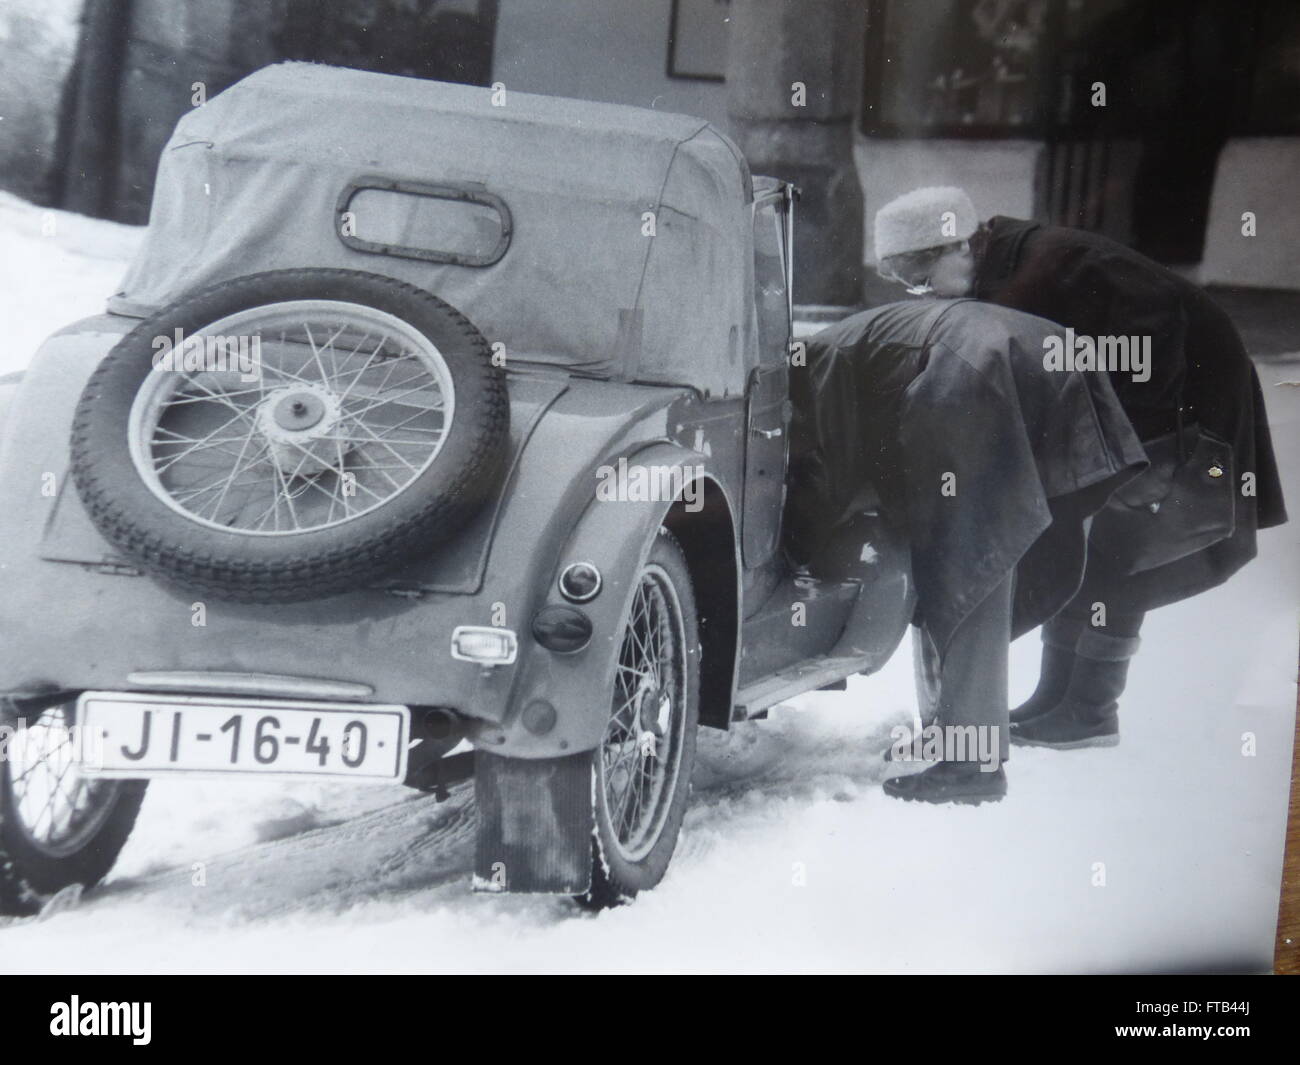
(642, 769)
(58, 827)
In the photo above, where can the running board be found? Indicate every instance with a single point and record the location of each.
(806, 676)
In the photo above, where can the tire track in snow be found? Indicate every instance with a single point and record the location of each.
(789, 758)
(413, 845)
(420, 846)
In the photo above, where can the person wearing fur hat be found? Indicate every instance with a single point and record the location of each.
(1193, 398)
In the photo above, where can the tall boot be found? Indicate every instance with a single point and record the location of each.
(1060, 635)
(1088, 715)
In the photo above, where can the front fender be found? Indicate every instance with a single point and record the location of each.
(617, 538)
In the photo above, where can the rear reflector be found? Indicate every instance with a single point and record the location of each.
(564, 629)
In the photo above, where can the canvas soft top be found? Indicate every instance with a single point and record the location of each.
(251, 181)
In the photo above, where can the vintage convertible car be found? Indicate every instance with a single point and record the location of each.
(435, 432)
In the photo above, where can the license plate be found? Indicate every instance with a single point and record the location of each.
(140, 736)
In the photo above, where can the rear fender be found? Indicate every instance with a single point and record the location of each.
(617, 538)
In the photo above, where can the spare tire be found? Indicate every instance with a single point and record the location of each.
(292, 434)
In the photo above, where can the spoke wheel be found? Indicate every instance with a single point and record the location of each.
(55, 806)
(58, 827)
(642, 768)
(641, 753)
(346, 408)
(291, 435)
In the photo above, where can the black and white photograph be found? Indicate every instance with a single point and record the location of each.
(649, 487)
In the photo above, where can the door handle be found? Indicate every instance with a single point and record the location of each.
(766, 434)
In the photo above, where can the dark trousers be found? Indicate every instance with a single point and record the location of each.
(970, 688)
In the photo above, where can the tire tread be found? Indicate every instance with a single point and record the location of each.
(344, 568)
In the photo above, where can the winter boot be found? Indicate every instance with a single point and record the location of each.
(1060, 635)
(1087, 716)
(957, 782)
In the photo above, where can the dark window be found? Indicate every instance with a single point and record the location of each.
(956, 67)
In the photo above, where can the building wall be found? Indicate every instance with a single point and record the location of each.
(1255, 174)
(38, 43)
(1000, 176)
(610, 50)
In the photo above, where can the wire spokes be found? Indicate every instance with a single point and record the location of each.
(56, 805)
(641, 752)
(349, 407)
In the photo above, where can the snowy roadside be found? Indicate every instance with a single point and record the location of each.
(55, 267)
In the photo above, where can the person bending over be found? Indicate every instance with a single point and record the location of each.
(1185, 381)
(991, 462)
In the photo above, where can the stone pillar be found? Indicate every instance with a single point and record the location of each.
(793, 81)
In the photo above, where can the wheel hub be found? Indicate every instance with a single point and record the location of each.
(298, 410)
(293, 421)
(654, 710)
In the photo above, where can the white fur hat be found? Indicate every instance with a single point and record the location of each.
(917, 220)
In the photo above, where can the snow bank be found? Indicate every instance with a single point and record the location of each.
(55, 267)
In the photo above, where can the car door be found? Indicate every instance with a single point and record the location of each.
(767, 413)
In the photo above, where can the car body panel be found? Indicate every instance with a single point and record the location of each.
(79, 616)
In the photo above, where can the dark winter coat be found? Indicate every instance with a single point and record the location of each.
(919, 396)
(1101, 288)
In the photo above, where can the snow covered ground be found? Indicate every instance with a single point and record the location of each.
(55, 267)
(792, 859)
